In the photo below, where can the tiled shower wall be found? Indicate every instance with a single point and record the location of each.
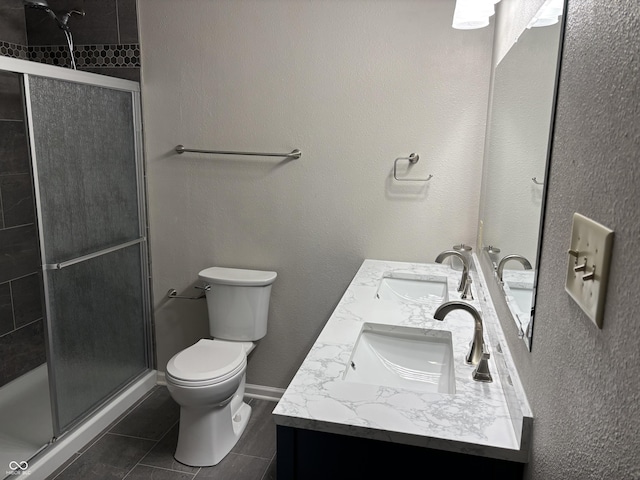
(105, 38)
(106, 42)
(22, 345)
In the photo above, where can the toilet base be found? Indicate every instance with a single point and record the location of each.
(207, 435)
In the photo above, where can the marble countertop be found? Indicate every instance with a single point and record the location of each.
(520, 308)
(477, 419)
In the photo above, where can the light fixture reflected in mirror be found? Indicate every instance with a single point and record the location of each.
(549, 14)
(471, 14)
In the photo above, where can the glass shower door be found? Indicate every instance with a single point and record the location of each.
(94, 257)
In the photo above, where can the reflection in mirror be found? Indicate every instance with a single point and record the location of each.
(518, 135)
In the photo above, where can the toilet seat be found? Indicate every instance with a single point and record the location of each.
(207, 362)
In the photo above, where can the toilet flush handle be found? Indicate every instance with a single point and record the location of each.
(172, 293)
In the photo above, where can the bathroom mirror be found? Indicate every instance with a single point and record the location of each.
(515, 166)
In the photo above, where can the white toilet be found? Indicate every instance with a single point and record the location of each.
(207, 379)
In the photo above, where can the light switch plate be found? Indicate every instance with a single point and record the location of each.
(588, 265)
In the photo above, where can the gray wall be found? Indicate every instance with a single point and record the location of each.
(13, 30)
(354, 85)
(582, 382)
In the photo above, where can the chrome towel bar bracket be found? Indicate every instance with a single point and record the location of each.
(172, 293)
(413, 159)
(294, 154)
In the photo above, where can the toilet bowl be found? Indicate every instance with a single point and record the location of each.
(207, 379)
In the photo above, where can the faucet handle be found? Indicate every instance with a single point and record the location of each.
(481, 372)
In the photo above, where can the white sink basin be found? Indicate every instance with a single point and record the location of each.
(403, 357)
(413, 288)
(523, 298)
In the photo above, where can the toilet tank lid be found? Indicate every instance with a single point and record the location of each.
(237, 276)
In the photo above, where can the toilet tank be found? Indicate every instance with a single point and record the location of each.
(238, 302)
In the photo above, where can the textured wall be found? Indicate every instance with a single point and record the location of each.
(583, 383)
(353, 85)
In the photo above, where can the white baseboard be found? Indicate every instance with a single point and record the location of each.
(263, 393)
(260, 392)
(161, 379)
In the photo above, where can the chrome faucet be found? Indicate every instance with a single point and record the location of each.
(465, 266)
(525, 263)
(476, 354)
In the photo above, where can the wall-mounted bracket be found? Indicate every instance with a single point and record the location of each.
(173, 293)
(413, 159)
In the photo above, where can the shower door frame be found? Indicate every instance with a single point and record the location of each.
(28, 69)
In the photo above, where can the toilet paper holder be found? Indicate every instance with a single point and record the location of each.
(413, 159)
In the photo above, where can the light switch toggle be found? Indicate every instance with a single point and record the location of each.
(589, 276)
(588, 266)
(583, 266)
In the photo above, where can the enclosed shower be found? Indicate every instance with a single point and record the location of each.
(74, 243)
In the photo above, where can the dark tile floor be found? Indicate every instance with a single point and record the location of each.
(140, 445)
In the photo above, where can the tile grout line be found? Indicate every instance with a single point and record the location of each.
(118, 22)
(79, 454)
(102, 434)
(145, 454)
(2, 208)
(21, 326)
(149, 451)
(169, 469)
(133, 436)
(21, 276)
(17, 226)
(266, 472)
(252, 456)
(70, 463)
(13, 308)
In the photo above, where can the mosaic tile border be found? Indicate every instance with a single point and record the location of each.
(122, 55)
(13, 50)
(87, 56)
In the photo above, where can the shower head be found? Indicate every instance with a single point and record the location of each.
(36, 4)
(62, 20)
(41, 5)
